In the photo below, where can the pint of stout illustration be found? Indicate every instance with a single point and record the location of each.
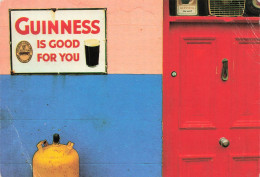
(92, 51)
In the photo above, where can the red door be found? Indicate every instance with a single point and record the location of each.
(210, 93)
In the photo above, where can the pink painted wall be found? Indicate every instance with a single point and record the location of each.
(134, 32)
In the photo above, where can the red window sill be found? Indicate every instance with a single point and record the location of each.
(213, 19)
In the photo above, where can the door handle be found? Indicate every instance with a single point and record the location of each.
(224, 72)
(224, 142)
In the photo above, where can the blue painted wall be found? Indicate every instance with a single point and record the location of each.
(114, 121)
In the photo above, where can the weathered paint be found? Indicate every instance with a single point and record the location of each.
(134, 32)
(114, 121)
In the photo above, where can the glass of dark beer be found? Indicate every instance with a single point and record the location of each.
(92, 51)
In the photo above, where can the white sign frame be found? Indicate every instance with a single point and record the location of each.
(57, 49)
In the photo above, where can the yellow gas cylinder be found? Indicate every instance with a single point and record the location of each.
(56, 160)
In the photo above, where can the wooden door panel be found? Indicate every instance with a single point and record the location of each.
(245, 166)
(246, 78)
(200, 165)
(197, 82)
